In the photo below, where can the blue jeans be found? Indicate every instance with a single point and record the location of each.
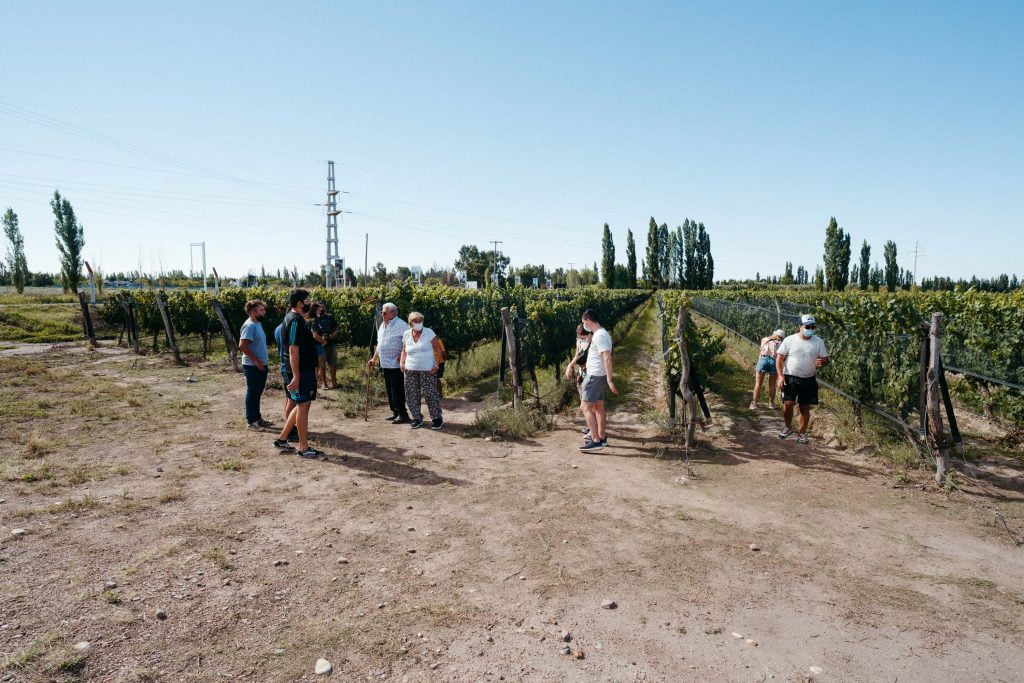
(255, 383)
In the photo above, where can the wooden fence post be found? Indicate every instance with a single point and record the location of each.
(229, 338)
(689, 399)
(87, 328)
(131, 326)
(936, 434)
(513, 360)
(166, 316)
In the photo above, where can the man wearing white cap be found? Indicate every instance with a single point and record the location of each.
(797, 361)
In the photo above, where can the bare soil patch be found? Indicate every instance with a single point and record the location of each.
(465, 559)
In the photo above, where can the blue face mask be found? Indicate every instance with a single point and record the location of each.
(808, 333)
(586, 327)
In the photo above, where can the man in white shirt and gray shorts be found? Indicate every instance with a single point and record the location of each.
(599, 378)
(797, 361)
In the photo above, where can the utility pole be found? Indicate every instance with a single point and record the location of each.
(366, 260)
(191, 267)
(917, 252)
(330, 274)
(569, 279)
(494, 268)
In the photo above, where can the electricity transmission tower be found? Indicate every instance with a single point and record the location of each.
(334, 262)
(494, 271)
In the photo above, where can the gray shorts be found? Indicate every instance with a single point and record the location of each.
(593, 388)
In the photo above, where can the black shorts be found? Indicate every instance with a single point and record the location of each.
(307, 387)
(802, 390)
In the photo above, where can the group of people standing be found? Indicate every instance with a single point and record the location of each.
(411, 357)
(791, 362)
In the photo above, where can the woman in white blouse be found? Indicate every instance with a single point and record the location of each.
(420, 350)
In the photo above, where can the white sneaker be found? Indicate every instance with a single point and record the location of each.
(753, 406)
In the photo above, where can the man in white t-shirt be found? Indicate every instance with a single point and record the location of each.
(599, 378)
(797, 361)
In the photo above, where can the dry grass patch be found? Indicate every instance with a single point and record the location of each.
(172, 494)
(218, 558)
(36, 447)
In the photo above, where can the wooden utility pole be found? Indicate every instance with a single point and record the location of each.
(161, 306)
(936, 434)
(685, 369)
(87, 328)
(229, 338)
(513, 357)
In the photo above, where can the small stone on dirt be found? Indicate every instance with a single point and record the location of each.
(300, 552)
(382, 605)
(277, 651)
(279, 563)
(816, 670)
(609, 604)
(755, 547)
(490, 639)
(18, 533)
(737, 635)
(411, 551)
(110, 585)
(577, 653)
(82, 646)
(566, 650)
(161, 615)
(342, 560)
(322, 667)
(751, 642)
(565, 636)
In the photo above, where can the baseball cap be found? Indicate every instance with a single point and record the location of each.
(807, 319)
(779, 333)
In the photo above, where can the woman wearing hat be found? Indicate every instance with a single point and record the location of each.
(766, 366)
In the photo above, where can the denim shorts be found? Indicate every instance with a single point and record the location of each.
(766, 364)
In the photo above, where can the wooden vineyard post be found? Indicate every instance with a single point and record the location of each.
(161, 306)
(133, 324)
(689, 399)
(513, 359)
(936, 435)
(127, 331)
(87, 328)
(229, 338)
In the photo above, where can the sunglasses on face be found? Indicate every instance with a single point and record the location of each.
(808, 327)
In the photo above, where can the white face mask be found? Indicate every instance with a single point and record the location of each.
(418, 327)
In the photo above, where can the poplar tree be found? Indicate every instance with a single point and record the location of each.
(892, 270)
(652, 265)
(70, 242)
(690, 252)
(679, 256)
(837, 256)
(865, 266)
(664, 255)
(16, 262)
(608, 258)
(631, 259)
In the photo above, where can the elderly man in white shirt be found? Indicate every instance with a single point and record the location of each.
(389, 350)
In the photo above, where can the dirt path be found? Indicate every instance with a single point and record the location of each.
(465, 559)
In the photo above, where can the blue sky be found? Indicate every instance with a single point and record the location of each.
(532, 123)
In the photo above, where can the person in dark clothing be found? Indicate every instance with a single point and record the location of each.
(302, 361)
(326, 326)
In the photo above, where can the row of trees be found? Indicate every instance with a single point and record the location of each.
(679, 258)
(70, 237)
(838, 274)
